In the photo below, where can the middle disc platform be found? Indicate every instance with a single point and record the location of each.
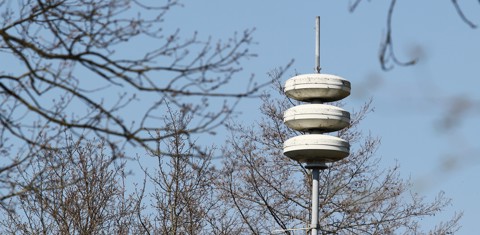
(319, 117)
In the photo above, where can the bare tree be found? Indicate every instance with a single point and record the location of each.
(82, 190)
(270, 191)
(107, 69)
(183, 198)
(253, 190)
(71, 70)
(77, 190)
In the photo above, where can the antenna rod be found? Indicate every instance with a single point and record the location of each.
(317, 44)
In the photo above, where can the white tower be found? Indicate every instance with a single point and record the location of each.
(315, 149)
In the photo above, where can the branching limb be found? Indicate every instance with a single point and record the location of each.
(462, 15)
(386, 53)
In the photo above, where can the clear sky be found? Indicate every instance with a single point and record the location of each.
(427, 115)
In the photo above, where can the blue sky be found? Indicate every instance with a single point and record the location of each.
(426, 115)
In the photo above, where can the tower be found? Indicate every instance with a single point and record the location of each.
(315, 149)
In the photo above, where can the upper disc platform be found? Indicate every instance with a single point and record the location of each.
(317, 87)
